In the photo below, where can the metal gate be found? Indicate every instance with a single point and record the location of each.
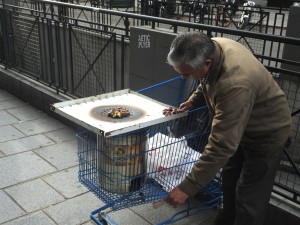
(67, 57)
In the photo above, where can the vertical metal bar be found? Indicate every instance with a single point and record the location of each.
(71, 58)
(122, 62)
(115, 61)
(11, 35)
(175, 29)
(126, 24)
(43, 33)
(44, 9)
(66, 62)
(52, 11)
(267, 15)
(40, 44)
(263, 50)
(58, 55)
(50, 47)
(4, 38)
(261, 17)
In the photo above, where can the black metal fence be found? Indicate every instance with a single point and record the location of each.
(80, 50)
(210, 12)
(72, 58)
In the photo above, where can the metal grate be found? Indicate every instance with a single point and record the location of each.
(287, 177)
(26, 44)
(93, 54)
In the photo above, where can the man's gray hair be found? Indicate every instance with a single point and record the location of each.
(192, 48)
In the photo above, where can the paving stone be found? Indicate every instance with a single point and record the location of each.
(11, 103)
(39, 126)
(127, 217)
(74, 211)
(38, 218)
(8, 208)
(25, 144)
(7, 119)
(165, 212)
(26, 112)
(4, 96)
(61, 155)
(61, 135)
(66, 182)
(206, 217)
(22, 167)
(34, 195)
(8, 133)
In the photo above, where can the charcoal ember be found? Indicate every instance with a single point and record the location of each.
(119, 112)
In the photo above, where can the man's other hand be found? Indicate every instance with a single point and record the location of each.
(176, 198)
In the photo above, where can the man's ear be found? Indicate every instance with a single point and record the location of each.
(208, 62)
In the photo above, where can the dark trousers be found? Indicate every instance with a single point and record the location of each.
(248, 179)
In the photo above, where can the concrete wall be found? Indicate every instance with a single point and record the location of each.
(34, 93)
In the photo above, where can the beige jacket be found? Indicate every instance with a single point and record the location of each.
(247, 105)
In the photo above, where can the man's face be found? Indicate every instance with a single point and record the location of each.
(197, 74)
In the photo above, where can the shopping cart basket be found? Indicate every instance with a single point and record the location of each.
(143, 165)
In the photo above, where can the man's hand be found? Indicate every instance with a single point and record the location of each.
(177, 197)
(170, 111)
(185, 106)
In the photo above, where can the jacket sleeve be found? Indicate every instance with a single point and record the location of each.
(197, 96)
(232, 111)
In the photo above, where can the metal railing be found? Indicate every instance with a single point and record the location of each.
(264, 19)
(80, 50)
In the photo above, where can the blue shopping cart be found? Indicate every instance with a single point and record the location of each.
(144, 165)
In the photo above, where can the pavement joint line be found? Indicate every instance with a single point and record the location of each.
(14, 200)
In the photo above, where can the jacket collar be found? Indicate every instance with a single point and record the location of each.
(216, 68)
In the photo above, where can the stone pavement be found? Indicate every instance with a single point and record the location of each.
(38, 175)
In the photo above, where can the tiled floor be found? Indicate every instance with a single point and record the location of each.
(39, 182)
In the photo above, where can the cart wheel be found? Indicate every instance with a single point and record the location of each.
(104, 222)
(101, 220)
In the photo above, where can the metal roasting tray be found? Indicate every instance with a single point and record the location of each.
(90, 112)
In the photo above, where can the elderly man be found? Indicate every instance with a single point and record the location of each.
(251, 123)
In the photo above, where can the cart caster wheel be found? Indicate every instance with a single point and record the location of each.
(101, 220)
